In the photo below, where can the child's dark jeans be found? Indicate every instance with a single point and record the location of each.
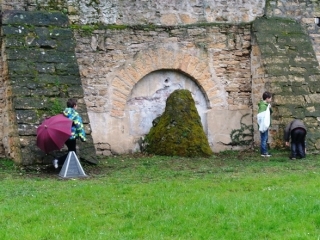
(298, 147)
(264, 141)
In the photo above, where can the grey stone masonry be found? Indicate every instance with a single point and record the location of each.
(41, 73)
(291, 74)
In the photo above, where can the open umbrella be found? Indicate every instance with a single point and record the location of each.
(53, 132)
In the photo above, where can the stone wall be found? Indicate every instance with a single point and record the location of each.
(156, 12)
(40, 73)
(286, 47)
(112, 62)
(301, 11)
(291, 72)
(129, 63)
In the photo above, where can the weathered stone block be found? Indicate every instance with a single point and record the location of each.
(65, 45)
(29, 150)
(42, 32)
(24, 80)
(289, 99)
(28, 103)
(62, 34)
(27, 129)
(45, 43)
(11, 42)
(87, 151)
(75, 91)
(35, 18)
(18, 54)
(48, 68)
(48, 78)
(312, 111)
(69, 79)
(67, 68)
(21, 67)
(48, 91)
(51, 56)
(26, 116)
(21, 91)
(15, 30)
(276, 69)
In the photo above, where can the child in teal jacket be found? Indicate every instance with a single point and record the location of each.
(77, 131)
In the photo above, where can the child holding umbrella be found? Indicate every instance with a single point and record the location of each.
(77, 130)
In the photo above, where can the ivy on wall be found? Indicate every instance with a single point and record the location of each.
(242, 136)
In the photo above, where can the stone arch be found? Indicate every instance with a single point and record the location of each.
(157, 59)
(148, 98)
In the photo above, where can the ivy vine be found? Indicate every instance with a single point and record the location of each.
(242, 136)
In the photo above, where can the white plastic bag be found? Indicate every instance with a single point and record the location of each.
(263, 119)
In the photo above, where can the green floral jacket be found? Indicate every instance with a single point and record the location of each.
(77, 130)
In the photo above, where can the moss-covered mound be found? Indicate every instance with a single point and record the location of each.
(178, 132)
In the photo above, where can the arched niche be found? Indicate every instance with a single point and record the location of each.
(148, 98)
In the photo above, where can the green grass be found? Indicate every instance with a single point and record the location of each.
(232, 195)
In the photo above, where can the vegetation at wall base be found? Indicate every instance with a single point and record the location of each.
(178, 131)
(231, 195)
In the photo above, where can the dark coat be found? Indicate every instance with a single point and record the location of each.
(293, 125)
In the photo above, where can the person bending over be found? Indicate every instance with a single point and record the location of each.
(297, 131)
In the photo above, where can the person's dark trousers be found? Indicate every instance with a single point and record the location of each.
(298, 147)
(71, 145)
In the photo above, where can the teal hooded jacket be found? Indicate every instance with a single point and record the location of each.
(77, 130)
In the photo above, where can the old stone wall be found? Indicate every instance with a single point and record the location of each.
(291, 72)
(113, 61)
(301, 11)
(156, 12)
(297, 75)
(40, 73)
(129, 63)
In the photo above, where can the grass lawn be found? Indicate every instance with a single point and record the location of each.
(232, 195)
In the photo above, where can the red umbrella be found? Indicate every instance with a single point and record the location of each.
(53, 132)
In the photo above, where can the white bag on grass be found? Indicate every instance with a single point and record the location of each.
(263, 119)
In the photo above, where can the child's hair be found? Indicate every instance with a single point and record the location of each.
(266, 95)
(71, 103)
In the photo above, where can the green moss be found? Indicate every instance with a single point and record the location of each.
(89, 29)
(178, 132)
(55, 107)
(117, 27)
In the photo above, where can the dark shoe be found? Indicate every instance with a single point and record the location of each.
(292, 158)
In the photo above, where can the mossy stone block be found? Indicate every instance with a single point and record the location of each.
(87, 151)
(15, 42)
(18, 54)
(65, 46)
(61, 34)
(18, 31)
(75, 91)
(35, 18)
(27, 129)
(42, 32)
(67, 68)
(45, 68)
(26, 116)
(24, 103)
(20, 67)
